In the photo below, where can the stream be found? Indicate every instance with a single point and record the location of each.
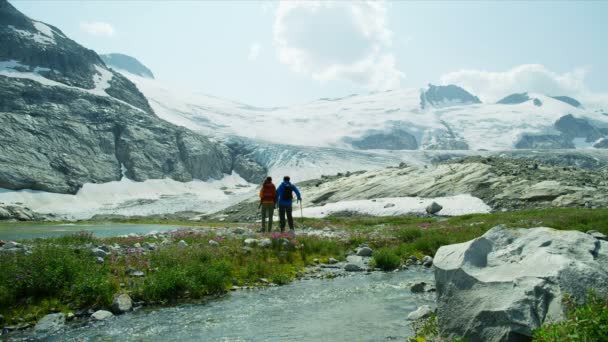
(358, 307)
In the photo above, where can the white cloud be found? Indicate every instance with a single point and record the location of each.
(337, 41)
(536, 78)
(254, 51)
(97, 28)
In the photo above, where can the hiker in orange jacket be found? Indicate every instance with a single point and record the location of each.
(268, 201)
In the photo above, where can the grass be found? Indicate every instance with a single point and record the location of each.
(586, 322)
(59, 276)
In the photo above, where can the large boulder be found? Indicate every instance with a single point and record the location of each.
(50, 323)
(506, 283)
(122, 303)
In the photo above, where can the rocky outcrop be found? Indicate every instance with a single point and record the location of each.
(516, 98)
(505, 284)
(544, 141)
(443, 139)
(394, 139)
(568, 100)
(19, 213)
(127, 63)
(603, 143)
(66, 120)
(502, 183)
(578, 128)
(445, 96)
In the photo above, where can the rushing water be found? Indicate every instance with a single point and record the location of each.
(22, 231)
(358, 307)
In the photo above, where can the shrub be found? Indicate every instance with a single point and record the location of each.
(586, 322)
(386, 259)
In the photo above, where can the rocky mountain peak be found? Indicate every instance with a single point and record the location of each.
(445, 96)
(126, 63)
(568, 100)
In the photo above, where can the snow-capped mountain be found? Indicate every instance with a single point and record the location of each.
(436, 118)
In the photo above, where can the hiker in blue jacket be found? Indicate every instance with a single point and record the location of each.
(285, 201)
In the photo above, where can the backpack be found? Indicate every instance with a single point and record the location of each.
(287, 193)
(269, 192)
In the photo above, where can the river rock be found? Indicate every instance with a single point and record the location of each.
(353, 268)
(506, 283)
(265, 243)
(420, 313)
(213, 243)
(433, 208)
(50, 323)
(427, 261)
(122, 303)
(12, 244)
(332, 261)
(421, 287)
(101, 315)
(182, 243)
(598, 235)
(365, 252)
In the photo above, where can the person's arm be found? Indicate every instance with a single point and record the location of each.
(261, 197)
(295, 188)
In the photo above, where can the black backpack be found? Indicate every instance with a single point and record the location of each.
(287, 193)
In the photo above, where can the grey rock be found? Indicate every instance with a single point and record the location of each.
(5, 214)
(353, 268)
(598, 235)
(365, 252)
(568, 100)
(247, 250)
(122, 303)
(214, 243)
(99, 260)
(12, 244)
(332, 261)
(578, 128)
(506, 283)
(182, 243)
(104, 248)
(250, 242)
(137, 245)
(389, 205)
(316, 261)
(50, 323)
(544, 141)
(420, 287)
(150, 245)
(88, 137)
(427, 261)
(393, 139)
(420, 313)
(433, 208)
(602, 143)
(99, 252)
(265, 243)
(101, 315)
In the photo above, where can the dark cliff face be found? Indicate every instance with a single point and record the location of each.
(57, 136)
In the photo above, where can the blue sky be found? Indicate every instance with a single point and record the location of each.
(271, 53)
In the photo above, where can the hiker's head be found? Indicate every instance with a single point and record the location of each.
(268, 180)
(286, 179)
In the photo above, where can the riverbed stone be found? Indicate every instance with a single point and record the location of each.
(265, 243)
(420, 313)
(506, 283)
(213, 243)
(434, 208)
(365, 252)
(122, 303)
(427, 261)
(353, 268)
(598, 235)
(332, 261)
(99, 260)
(101, 315)
(50, 323)
(420, 287)
(182, 244)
